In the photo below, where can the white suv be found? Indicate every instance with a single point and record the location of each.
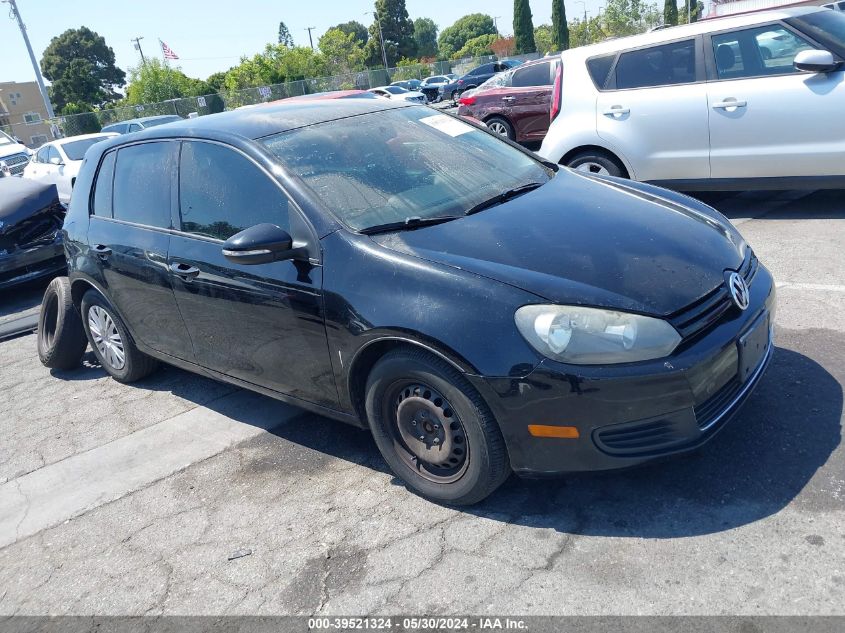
(752, 101)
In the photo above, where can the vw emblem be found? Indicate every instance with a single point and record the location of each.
(739, 290)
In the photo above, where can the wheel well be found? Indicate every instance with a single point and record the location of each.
(77, 289)
(599, 150)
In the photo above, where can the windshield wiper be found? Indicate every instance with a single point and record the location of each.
(504, 197)
(408, 223)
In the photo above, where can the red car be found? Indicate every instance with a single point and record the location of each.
(516, 103)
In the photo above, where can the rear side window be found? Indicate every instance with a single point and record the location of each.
(599, 69)
(657, 66)
(535, 75)
(103, 187)
(222, 193)
(142, 177)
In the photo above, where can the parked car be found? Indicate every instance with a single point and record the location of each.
(357, 258)
(14, 156)
(58, 162)
(136, 125)
(398, 93)
(475, 78)
(30, 238)
(430, 86)
(836, 6)
(516, 103)
(412, 85)
(703, 106)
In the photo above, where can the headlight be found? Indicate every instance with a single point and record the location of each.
(591, 336)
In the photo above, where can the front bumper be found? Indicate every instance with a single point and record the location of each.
(634, 413)
(27, 264)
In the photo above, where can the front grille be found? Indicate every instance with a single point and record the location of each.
(699, 316)
(715, 405)
(16, 163)
(638, 438)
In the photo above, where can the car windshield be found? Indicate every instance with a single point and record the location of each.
(75, 150)
(828, 27)
(392, 165)
(161, 121)
(396, 90)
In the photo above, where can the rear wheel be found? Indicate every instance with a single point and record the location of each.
(596, 162)
(433, 429)
(111, 342)
(502, 127)
(454, 96)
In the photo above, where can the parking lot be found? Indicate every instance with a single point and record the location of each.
(180, 495)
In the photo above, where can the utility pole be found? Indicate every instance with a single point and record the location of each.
(496, 19)
(38, 77)
(309, 29)
(381, 37)
(585, 19)
(137, 41)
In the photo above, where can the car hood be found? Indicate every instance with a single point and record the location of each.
(589, 241)
(12, 149)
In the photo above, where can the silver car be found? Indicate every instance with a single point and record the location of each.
(752, 101)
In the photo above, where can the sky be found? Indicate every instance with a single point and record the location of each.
(211, 35)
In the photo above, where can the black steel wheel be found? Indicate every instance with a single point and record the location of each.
(433, 428)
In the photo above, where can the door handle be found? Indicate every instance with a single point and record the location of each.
(616, 111)
(508, 98)
(101, 250)
(185, 271)
(729, 103)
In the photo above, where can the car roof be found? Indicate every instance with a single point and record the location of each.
(255, 123)
(673, 33)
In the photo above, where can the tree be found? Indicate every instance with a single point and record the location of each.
(453, 38)
(627, 17)
(285, 38)
(343, 53)
(355, 28)
(477, 46)
(691, 14)
(66, 54)
(543, 39)
(670, 12)
(425, 34)
(397, 30)
(155, 81)
(215, 81)
(560, 27)
(503, 47)
(523, 27)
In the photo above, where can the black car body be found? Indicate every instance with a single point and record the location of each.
(475, 78)
(31, 219)
(311, 328)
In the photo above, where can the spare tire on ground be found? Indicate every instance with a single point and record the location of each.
(61, 337)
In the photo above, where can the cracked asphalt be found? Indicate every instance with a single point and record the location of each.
(313, 522)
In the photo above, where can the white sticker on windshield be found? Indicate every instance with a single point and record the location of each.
(447, 125)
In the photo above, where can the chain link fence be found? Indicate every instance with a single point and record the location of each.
(91, 122)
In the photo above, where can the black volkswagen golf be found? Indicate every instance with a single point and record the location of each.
(480, 311)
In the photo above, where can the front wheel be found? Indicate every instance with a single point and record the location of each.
(433, 429)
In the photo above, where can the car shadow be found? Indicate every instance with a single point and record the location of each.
(822, 204)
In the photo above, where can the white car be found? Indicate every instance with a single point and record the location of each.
(13, 156)
(397, 92)
(58, 162)
(706, 106)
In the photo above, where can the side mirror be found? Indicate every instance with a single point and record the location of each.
(816, 61)
(261, 244)
(55, 160)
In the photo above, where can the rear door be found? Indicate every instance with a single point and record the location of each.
(128, 238)
(766, 118)
(530, 100)
(261, 323)
(654, 111)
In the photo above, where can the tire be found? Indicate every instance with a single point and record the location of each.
(61, 337)
(596, 162)
(501, 126)
(454, 96)
(116, 351)
(410, 391)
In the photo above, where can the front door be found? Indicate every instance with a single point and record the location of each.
(128, 237)
(262, 323)
(766, 118)
(655, 112)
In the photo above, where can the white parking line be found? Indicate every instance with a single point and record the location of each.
(68, 488)
(802, 286)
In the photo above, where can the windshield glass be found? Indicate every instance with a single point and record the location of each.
(5, 139)
(397, 90)
(387, 166)
(162, 121)
(75, 150)
(828, 27)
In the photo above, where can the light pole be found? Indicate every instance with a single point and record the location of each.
(38, 77)
(309, 29)
(137, 41)
(585, 18)
(380, 36)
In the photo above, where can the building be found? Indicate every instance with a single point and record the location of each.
(22, 113)
(719, 8)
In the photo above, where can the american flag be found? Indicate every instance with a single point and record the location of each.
(167, 52)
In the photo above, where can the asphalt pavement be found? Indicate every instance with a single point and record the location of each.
(180, 495)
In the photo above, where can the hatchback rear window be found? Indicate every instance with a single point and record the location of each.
(657, 66)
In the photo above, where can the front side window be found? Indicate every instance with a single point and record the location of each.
(387, 166)
(41, 156)
(53, 155)
(657, 66)
(221, 193)
(757, 52)
(142, 178)
(103, 187)
(535, 75)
